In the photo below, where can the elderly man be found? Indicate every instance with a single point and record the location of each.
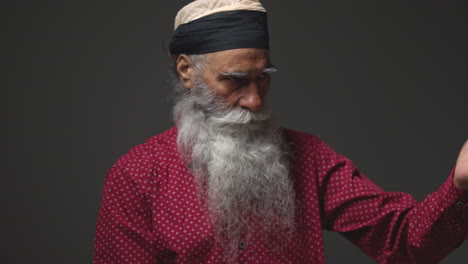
(225, 185)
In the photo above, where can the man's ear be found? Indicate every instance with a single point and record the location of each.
(185, 71)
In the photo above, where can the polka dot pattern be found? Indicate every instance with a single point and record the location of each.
(150, 212)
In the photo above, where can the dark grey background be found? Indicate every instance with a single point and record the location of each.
(383, 82)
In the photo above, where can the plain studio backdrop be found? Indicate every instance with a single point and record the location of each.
(385, 83)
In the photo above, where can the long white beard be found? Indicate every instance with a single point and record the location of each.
(240, 166)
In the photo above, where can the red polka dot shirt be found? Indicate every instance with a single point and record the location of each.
(150, 212)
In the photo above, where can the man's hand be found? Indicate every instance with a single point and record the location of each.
(460, 178)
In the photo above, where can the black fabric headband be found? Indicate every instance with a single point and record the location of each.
(222, 31)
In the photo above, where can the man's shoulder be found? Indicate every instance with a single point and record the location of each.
(143, 163)
(301, 138)
(158, 147)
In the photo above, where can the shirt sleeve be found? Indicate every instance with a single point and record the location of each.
(391, 227)
(124, 227)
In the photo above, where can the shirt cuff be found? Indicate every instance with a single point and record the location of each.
(457, 200)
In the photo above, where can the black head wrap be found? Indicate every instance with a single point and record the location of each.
(222, 31)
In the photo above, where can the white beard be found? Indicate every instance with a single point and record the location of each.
(240, 166)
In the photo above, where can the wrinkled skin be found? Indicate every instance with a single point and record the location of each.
(236, 75)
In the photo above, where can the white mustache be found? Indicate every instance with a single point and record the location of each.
(239, 116)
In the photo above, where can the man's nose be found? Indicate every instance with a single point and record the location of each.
(252, 98)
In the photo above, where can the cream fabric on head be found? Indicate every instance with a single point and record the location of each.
(201, 8)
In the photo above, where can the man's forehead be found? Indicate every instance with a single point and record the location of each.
(239, 60)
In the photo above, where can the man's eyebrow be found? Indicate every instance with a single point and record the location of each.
(270, 69)
(239, 74)
(234, 74)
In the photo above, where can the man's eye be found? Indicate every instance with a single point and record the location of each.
(234, 79)
(263, 76)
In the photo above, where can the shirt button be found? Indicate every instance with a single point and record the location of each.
(241, 245)
(460, 204)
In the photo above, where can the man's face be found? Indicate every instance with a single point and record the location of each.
(240, 76)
